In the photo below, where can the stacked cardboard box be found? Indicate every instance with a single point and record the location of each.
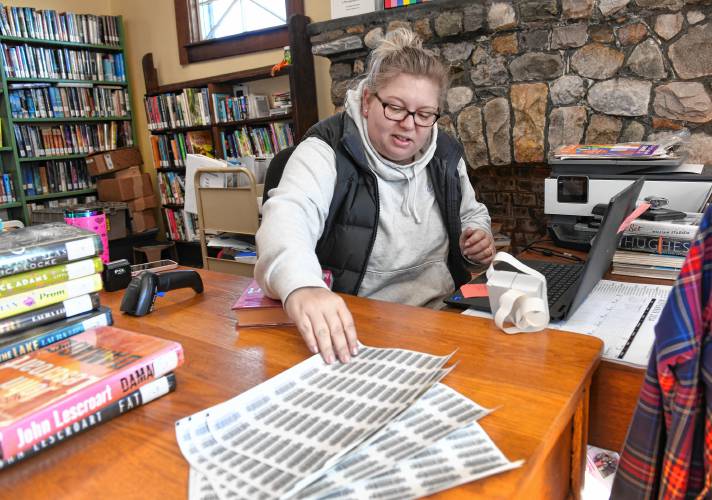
(121, 180)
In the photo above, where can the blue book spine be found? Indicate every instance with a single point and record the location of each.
(27, 342)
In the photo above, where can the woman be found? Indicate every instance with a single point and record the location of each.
(378, 195)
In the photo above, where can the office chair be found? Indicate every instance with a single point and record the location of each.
(275, 170)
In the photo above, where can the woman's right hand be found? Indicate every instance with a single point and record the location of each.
(324, 322)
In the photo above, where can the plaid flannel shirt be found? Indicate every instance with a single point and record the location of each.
(668, 448)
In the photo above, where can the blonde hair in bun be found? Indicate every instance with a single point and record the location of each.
(401, 51)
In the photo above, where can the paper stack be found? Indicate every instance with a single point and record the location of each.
(380, 426)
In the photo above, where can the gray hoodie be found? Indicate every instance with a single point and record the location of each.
(408, 263)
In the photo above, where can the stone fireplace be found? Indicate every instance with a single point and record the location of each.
(530, 75)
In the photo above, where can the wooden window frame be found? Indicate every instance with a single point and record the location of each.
(188, 29)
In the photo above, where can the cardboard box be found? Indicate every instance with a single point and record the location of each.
(136, 170)
(143, 203)
(143, 221)
(124, 188)
(111, 161)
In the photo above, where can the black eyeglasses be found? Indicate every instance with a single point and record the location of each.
(399, 113)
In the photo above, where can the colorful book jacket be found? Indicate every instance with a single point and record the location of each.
(17, 283)
(49, 389)
(45, 315)
(13, 346)
(662, 245)
(45, 245)
(142, 396)
(51, 294)
(684, 228)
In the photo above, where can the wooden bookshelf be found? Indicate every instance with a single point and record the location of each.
(300, 83)
(12, 162)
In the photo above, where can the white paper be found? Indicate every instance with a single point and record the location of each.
(212, 180)
(343, 423)
(463, 456)
(623, 315)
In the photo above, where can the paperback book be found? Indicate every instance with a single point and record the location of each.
(139, 397)
(51, 294)
(50, 389)
(49, 314)
(12, 346)
(45, 245)
(254, 308)
(17, 283)
(663, 245)
(684, 228)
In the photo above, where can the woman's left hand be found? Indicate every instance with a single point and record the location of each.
(477, 245)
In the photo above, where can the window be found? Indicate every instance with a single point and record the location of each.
(211, 29)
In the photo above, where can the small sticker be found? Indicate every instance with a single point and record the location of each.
(166, 363)
(80, 248)
(79, 269)
(471, 290)
(109, 162)
(95, 322)
(155, 389)
(77, 305)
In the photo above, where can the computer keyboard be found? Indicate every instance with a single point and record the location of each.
(559, 277)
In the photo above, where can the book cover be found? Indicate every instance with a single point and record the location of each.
(254, 308)
(45, 245)
(684, 228)
(623, 150)
(201, 142)
(50, 294)
(142, 396)
(17, 283)
(45, 315)
(12, 346)
(49, 389)
(663, 245)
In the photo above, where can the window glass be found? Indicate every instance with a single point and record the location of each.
(220, 18)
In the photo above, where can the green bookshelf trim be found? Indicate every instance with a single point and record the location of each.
(6, 148)
(57, 43)
(59, 80)
(61, 194)
(58, 157)
(72, 119)
(14, 204)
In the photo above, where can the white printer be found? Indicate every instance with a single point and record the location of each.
(571, 193)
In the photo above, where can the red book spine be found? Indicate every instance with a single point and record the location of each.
(23, 433)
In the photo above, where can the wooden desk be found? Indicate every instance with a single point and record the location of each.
(615, 386)
(539, 385)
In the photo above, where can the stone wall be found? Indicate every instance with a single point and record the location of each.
(530, 75)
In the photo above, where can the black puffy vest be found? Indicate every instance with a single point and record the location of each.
(350, 228)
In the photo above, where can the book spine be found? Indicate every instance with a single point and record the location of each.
(655, 244)
(17, 283)
(657, 228)
(24, 345)
(45, 296)
(42, 256)
(25, 432)
(142, 396)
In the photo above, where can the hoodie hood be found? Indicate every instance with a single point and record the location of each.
(411, 173)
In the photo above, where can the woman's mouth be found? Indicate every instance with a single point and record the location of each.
(401, 140)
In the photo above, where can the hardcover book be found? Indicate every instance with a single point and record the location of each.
(655, 244)
(45, 245)
(17, 283)
(142, 396)
(51, 294)
(50, 389)
(12, 346)
(253, 308)
(45, 315)
(684, 228)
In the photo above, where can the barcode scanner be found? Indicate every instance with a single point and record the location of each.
(141, 293)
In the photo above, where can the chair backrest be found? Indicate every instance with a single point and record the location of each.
(275, 170)
(227, 209)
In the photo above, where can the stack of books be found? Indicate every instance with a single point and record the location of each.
(655, 249)
(73, 385)
(49, 283)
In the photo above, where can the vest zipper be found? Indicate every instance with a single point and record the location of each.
(375, 232)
